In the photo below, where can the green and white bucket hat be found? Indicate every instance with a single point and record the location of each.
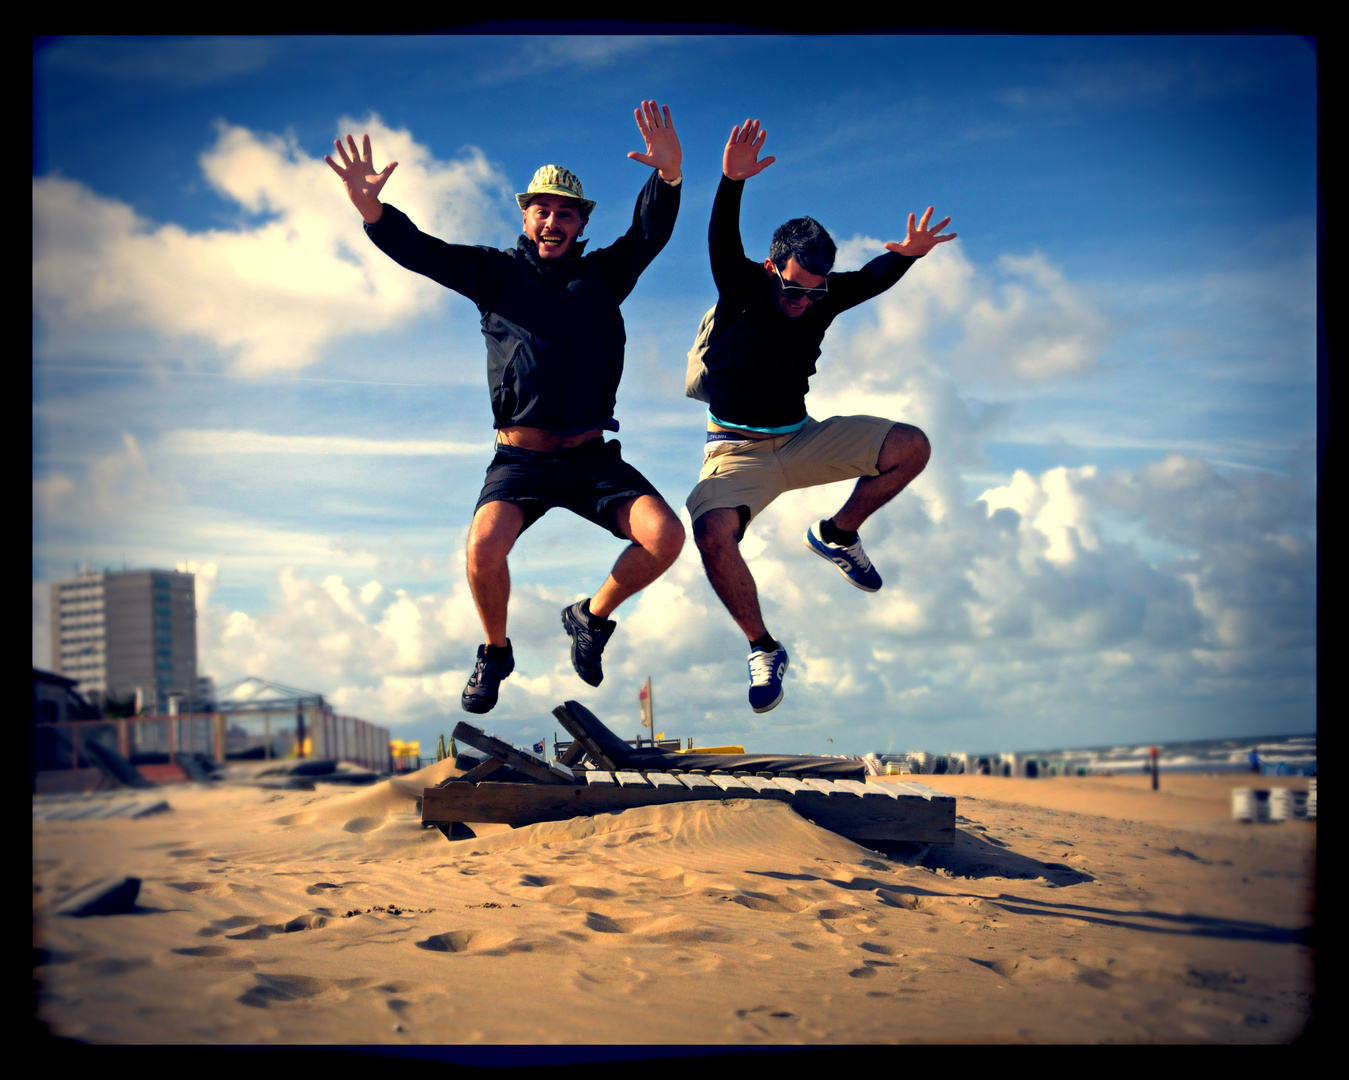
(555, 180)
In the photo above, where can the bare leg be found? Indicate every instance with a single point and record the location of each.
(715, 534)
(904, 455)
(496, 527)
(657, 537)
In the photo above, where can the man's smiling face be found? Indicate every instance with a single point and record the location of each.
(553, 222)
(795, 288)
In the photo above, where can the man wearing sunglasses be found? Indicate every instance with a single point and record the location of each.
(759, 349)
(555, 342)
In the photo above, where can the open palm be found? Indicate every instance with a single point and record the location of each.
(358, 175)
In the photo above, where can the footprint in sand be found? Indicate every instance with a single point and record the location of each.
(219, 926)
(834, 913)
(271, 991)
(484, 942)
(259, 930)
(757, 901)
(213, 958)
(304, 817)
(1031, 969)
(769, 1021)
(322, 888)
(215, 887)
(364, 824)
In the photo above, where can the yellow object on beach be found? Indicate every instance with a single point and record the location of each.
(713, 750)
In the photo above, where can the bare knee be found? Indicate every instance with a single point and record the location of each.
(906, 447)
(717, 530)
(667, 541)
(493, 533)
(650, 524)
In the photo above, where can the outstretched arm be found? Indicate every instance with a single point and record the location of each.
(921, 239)
(357, 171)
(663, 151)
(740, 159)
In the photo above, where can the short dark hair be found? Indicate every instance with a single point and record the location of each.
(805, 240)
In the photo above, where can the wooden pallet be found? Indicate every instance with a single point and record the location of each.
(860, 811)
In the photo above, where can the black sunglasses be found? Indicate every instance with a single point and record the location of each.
(792, 292)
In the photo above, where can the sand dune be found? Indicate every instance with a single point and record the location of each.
(1084, 910)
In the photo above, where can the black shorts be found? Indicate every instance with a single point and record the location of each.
(591, 480)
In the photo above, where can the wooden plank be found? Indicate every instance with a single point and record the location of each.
(480, 771)
(759, 783)
(868, 791)
(694, 782)
(792, 785)
(730, 784)
(527, 804)
(916, 817)
(578, 732)
(598, 778)
(527, 762)
(661, 779)
(627, 778)
(829, 788)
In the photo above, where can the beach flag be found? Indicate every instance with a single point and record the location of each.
(648, 710)
(538, 747)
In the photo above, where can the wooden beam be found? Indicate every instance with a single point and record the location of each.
(546, 772)
(916, 815)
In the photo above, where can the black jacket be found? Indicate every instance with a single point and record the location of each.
(554, 332)
(759, 362)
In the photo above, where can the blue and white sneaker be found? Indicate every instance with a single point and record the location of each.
(766, 670)
(852, 561)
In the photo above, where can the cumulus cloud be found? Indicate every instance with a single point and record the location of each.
(1005, 614)
(293, 273)
(1025, 322)
(257, 442)
(1012, 613)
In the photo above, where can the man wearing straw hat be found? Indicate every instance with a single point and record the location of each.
(555, 338)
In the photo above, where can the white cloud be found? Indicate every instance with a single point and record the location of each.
(268, 294)
(51, 494)
(122, 483)
(256, 442)
(1026, 323)
(188, 63)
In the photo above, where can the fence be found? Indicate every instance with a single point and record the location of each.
(315, 732)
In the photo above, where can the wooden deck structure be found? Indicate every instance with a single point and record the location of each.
(516, 787)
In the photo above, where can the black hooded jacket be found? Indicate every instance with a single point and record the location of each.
(555, 335)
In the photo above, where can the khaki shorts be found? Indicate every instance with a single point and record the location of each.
(754, 472)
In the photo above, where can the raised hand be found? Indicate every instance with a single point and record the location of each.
(740, 159)
(663, 151)
(357, 171)
(921, 239)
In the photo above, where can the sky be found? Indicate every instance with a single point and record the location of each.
(1115, 362)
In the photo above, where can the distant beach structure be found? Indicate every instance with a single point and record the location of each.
(1277, 755)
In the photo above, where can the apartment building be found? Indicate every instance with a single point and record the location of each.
(120, 632)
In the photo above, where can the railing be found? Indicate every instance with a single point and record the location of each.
(312, 733)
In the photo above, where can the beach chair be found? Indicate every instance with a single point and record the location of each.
(607, 751)
(517, 787)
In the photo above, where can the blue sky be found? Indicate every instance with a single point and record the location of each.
(1115, 363)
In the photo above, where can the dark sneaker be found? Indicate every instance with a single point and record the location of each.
(588, 636)
(480, 695)
(852, 561)
(766, 670)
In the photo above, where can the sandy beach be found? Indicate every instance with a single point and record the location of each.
(1070, 910)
